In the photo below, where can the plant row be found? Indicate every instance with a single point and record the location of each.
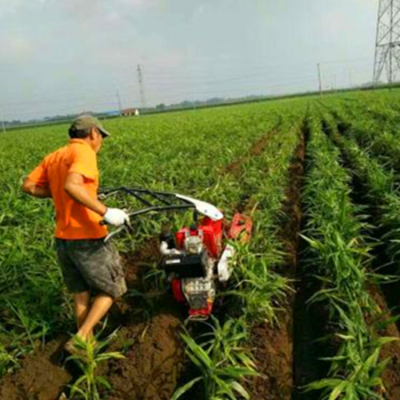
(380, 186)
(339, 256)
(223, 356)
(377, 133)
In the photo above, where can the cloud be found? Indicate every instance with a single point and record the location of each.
(133, 3)
(82, 9)
(88, 8)
(8, 7)
(173, 58)
(15, 48)
(136, 4)
(113, 17)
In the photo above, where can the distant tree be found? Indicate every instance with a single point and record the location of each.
(215, 100)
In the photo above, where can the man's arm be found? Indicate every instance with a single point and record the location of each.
(34, 190)
(74, 186)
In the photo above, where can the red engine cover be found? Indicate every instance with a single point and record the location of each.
(203, 313)
(241, 227)
(212, 231)
(177, 291)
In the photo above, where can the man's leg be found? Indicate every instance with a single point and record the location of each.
(101, 269)
(81, 307)
(101, 304)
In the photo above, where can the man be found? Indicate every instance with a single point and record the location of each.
(90, 267)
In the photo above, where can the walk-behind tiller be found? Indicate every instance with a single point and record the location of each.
(196, 258)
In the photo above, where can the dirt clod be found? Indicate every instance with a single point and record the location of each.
(154, 360)
(391, 374)
(273, 353)
(39, 377)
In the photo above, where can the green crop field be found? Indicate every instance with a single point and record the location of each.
(311, 311)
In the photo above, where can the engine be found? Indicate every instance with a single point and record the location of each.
(190, 260)
(195, 260)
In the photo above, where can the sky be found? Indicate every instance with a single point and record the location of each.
(71, 56)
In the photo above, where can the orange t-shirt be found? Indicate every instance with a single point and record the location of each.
(73, 220)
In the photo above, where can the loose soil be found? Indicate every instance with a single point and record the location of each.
(154, 360)
(40, 376)
(149, 338)
(391, 375)
(273, 345)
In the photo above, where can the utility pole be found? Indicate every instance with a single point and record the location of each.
(350, 78)
(141, 86)
(319, 78)
(2, 119)
(387, 47)
(119, 103)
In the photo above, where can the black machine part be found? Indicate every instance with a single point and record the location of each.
(168, 237)
(156, 201)
(186, 265)
(153, 201)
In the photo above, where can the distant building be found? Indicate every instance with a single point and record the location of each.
(129, 112)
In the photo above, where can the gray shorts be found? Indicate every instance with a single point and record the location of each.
(91, 264)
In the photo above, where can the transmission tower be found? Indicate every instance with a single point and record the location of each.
(141, 86)
(119, 103)
(387, 50)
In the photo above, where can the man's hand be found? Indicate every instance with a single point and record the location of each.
(116, 217)
(36, 191)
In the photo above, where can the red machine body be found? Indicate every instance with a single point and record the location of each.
(212, 235)
(199, 291)
(241, 227)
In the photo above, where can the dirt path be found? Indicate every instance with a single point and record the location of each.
(273, 345)
(235, 167)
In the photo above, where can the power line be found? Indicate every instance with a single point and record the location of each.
(194, 63)
(173, 81)
(166, 84)
(238, 91)
(188, 73)
(201, 87)
(235, 90)
(244, 85)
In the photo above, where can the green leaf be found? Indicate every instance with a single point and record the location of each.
(240, 389)
(103, 381)
(185, 388)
